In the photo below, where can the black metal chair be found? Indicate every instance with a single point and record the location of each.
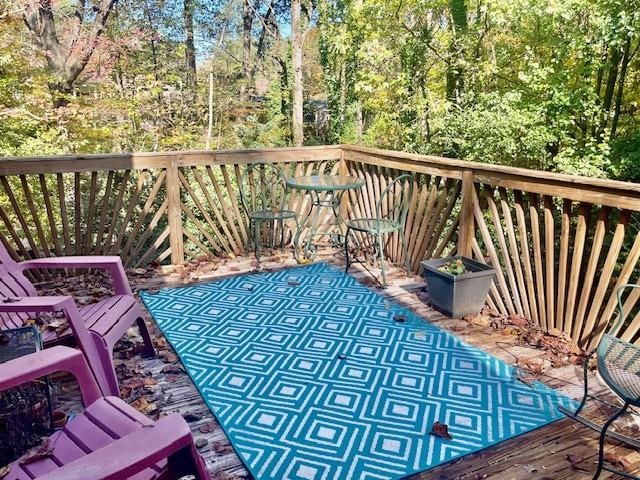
(396, 198)
(618, 364)
(263, 193)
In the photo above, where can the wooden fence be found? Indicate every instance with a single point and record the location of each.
(561, 244)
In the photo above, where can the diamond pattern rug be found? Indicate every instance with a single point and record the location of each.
(315, 377)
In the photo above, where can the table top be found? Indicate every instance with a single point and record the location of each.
(325, 182)
(17, 342)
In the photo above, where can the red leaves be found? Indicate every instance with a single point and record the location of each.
(441, 430)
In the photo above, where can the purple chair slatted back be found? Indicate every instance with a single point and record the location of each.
(13, 283)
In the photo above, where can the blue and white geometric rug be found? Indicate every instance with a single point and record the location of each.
(311, 377)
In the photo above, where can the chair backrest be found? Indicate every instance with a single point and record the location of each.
(616, 327)
(263, 187)
(13, 283)
(395, 199)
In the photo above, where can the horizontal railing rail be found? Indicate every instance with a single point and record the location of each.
(561, 244)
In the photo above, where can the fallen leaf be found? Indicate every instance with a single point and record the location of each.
(529, 468)
(44, 450)
(518, 320)
(201, 442)
(574, 460)
(171, 357)
(150, 381)
(207, 427)
(441, 430)
(4, 471)
(144, 406)
(172, 369)
(192, 416)
(480, 320)
(619, 461)
(134, 382)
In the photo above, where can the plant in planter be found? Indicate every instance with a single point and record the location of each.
(457, 286)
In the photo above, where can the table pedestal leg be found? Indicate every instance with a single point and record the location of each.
(332, 200)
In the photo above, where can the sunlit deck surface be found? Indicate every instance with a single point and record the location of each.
(541, 454)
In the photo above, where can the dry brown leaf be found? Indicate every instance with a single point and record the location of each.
(518, 320)
(171, 357)
(150, 382)
(441, 430)
(4, 471)
(480, 320)
(44, 450)
(616, 460)
(574, 460)
(144, 406)
(207, 427)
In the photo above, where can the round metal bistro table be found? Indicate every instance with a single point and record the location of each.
(326, 192)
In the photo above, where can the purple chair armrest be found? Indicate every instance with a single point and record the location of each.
(130, 454)
(77, 325)
(30, 367)
(111, 264)
(36, 304)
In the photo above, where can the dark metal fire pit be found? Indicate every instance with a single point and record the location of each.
(458, 295)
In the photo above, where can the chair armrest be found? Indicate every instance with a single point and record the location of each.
(35, 304)
(35, 365)
(130, 454)
(77, 325)
(111, 264)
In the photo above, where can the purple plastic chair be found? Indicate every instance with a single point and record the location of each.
(96, 327)
(109, 440)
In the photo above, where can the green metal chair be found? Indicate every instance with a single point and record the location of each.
(618, 364)
(263, 192)
(396, 198)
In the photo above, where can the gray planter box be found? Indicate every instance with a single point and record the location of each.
(458, 295)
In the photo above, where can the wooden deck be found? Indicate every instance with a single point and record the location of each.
(541, 454)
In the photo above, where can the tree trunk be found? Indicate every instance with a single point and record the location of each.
(67, 63)
(247, 27)
(284, 87)
(296, 48)
(269, 26)
(455, 74)
(359, 122)
(190, 49)
(612, 80)
(626, 58)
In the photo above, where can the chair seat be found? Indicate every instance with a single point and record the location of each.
(373, 225)
(100, 317)
(619, 367)
(272, 214)
(99, 425)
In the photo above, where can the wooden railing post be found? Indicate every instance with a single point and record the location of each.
(174, 211)
(466, 225)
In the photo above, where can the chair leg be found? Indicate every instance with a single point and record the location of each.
(603, 436)
(381, 247)
(256, 240)
(346, 249)
(187, 461)
(405, 251)
(149, 349)
(108, 381)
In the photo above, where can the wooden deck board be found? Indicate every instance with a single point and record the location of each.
(537, 455)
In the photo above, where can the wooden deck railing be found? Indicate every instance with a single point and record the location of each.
(561, 243)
